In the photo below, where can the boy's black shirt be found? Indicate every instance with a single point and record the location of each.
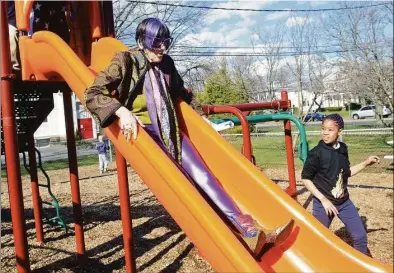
(328, 168)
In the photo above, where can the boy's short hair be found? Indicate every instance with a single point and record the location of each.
(337, 118)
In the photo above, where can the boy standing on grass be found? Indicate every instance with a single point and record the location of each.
(325, 175)
(102, 148)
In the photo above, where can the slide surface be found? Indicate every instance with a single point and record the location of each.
(310, 248)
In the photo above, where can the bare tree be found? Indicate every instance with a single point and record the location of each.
(366, 51)
(127, 15)
(197, 70)
(245, 73)
(181, 21)
(389, 6)
(298, 36)
(319, 68)
(270, 45)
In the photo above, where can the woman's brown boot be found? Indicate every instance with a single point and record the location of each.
(280, 234)
(275, 237)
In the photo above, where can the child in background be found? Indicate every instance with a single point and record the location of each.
(102, 148)
(325, 175)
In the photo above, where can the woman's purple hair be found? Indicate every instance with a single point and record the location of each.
(338, 120)
(149, 30)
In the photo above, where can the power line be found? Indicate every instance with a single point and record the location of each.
(269, 47)
(257, 53)
(257, 10)
(246, 47)
(180, 47)
(244, 54)
(178, 53)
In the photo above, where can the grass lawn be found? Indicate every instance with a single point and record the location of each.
(270, 152)
(344, 113)
(311, 127)
(86, 160)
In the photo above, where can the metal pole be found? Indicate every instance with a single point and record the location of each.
(247, 144)
(74, 181)
(108, 19)
(12, 151)
(124, 196)
(125, 212)
(95, 20)
(247, 107)
(35, 189)
(110, 150)
(291, 190)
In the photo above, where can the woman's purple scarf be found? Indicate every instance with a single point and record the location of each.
(164, 120)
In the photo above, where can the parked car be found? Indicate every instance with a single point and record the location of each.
(315, 116)
(369, 111)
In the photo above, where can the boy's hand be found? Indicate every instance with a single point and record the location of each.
(372, 160)
(329, 207)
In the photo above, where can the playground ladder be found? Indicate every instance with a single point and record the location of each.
(56, 220)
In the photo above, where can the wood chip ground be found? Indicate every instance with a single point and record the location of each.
(160, 245)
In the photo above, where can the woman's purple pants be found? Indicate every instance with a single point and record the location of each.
(195, 167)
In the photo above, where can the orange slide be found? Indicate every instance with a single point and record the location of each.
(310, 248)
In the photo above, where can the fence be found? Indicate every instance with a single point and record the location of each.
(269, 147)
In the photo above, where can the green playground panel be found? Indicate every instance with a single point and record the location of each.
(280, 116)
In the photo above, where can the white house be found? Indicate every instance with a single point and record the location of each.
(334, 96)
(54, 126)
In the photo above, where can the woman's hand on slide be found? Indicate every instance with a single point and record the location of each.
(128, 122)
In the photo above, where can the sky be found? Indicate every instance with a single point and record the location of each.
(223, 28)
(238, 28)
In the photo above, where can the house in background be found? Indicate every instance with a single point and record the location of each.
(54, 126)
(87, 125)
(336, 94)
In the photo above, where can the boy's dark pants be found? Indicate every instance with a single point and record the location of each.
(348, 214)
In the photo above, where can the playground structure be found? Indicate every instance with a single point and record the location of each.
(46, 57)
(243, 119)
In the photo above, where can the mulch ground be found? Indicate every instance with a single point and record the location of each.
(160, 245)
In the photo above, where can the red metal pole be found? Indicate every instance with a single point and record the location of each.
(12, 151)
(260, 105)
(125, 213)
(124, 196)
(109, 19)
(74, 181)
(34, 188)
(247, 145)
(291, 190)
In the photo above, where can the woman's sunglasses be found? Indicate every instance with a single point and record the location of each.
(158, 42)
